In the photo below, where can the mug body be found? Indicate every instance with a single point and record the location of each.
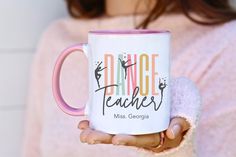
(129, 81)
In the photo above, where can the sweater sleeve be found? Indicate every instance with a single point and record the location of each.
(218, 120)
(185, 101)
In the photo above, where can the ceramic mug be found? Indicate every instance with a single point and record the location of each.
(129, 81)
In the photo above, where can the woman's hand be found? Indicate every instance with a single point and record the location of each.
(173, 136)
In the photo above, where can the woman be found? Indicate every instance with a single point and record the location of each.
(202, 53)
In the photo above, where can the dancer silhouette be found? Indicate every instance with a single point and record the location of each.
(125, 67)
(162, 86)
(97, 73)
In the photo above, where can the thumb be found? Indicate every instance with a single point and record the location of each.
(177, 126)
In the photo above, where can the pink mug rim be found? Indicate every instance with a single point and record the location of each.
(128, 32)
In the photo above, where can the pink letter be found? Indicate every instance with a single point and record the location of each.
(109, 58)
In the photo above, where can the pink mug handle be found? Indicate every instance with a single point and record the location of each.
(56, 82)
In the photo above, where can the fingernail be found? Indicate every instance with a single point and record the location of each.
(176, 130)
(81, 128)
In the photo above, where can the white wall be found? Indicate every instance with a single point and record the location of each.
(21, 24)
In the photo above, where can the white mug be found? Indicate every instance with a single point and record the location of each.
(129, 74)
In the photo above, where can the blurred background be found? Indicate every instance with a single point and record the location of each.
(22, 23)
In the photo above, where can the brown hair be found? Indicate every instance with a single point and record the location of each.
(210, 11)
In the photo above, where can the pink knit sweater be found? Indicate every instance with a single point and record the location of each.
(206, 55)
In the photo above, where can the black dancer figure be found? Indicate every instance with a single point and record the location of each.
(161, 86)
(125, 66)
(97, 74)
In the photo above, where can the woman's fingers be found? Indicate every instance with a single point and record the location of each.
(91, 136)
(174, 136)
(177, 126)
(84, 134)
(84, 124)
(172, 143)
(94, 137)
(145, 141)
